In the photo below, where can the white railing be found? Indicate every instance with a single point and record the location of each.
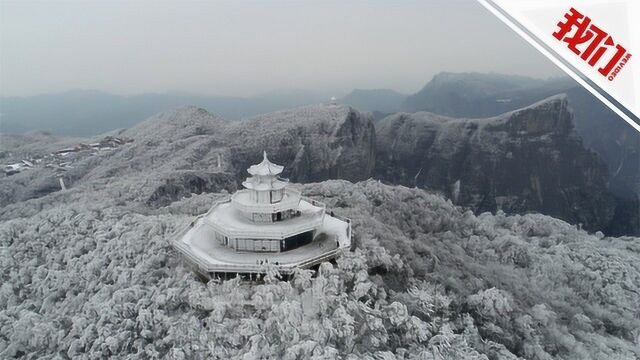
(194, 260)
(345, 219)
(290, 201)
(316, 203)
(265, 232)
(251, 268)
(215, 205)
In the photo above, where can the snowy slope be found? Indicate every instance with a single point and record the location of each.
(95, 277)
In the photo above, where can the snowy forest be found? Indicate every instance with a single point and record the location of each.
(85, 274)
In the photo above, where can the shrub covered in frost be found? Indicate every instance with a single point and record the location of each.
(85, 273)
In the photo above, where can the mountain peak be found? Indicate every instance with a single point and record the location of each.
(181, 122)
(550, 115)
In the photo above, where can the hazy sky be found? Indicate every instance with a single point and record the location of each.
(249, 47)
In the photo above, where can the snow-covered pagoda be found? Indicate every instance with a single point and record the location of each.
(266, 225)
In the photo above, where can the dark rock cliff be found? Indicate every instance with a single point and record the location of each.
(476, 95)
(522, 161)
(314, 143)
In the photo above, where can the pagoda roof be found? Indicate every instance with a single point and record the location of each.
(265, 168)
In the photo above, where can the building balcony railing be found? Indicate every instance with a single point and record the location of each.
(209, 269)
(241, 200)
(315, 221)
(270, 230)
(316, 203)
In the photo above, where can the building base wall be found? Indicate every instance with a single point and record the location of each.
(257, 245)
(263, 218)
(296, 241)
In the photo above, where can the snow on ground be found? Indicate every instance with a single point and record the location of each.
(228, 217)
(87, 275)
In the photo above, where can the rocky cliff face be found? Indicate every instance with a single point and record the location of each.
(476, 95)
(314, 143)
(526, 160)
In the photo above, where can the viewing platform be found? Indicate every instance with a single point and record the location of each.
(242, 201)
(210, 257)
(267, 225)
(228, 220)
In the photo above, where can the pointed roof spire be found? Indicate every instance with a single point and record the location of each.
(265, 168)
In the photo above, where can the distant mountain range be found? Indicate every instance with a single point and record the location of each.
(90, 112)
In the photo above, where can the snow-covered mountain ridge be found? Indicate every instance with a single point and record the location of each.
(525, 160)
(188, 150)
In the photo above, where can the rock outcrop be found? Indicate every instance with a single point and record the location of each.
(314, 143)
(476, 95)
(526, 160)
(181, 184)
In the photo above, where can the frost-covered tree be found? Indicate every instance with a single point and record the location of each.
(90, 273)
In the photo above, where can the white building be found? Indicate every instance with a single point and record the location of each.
(266, 223)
